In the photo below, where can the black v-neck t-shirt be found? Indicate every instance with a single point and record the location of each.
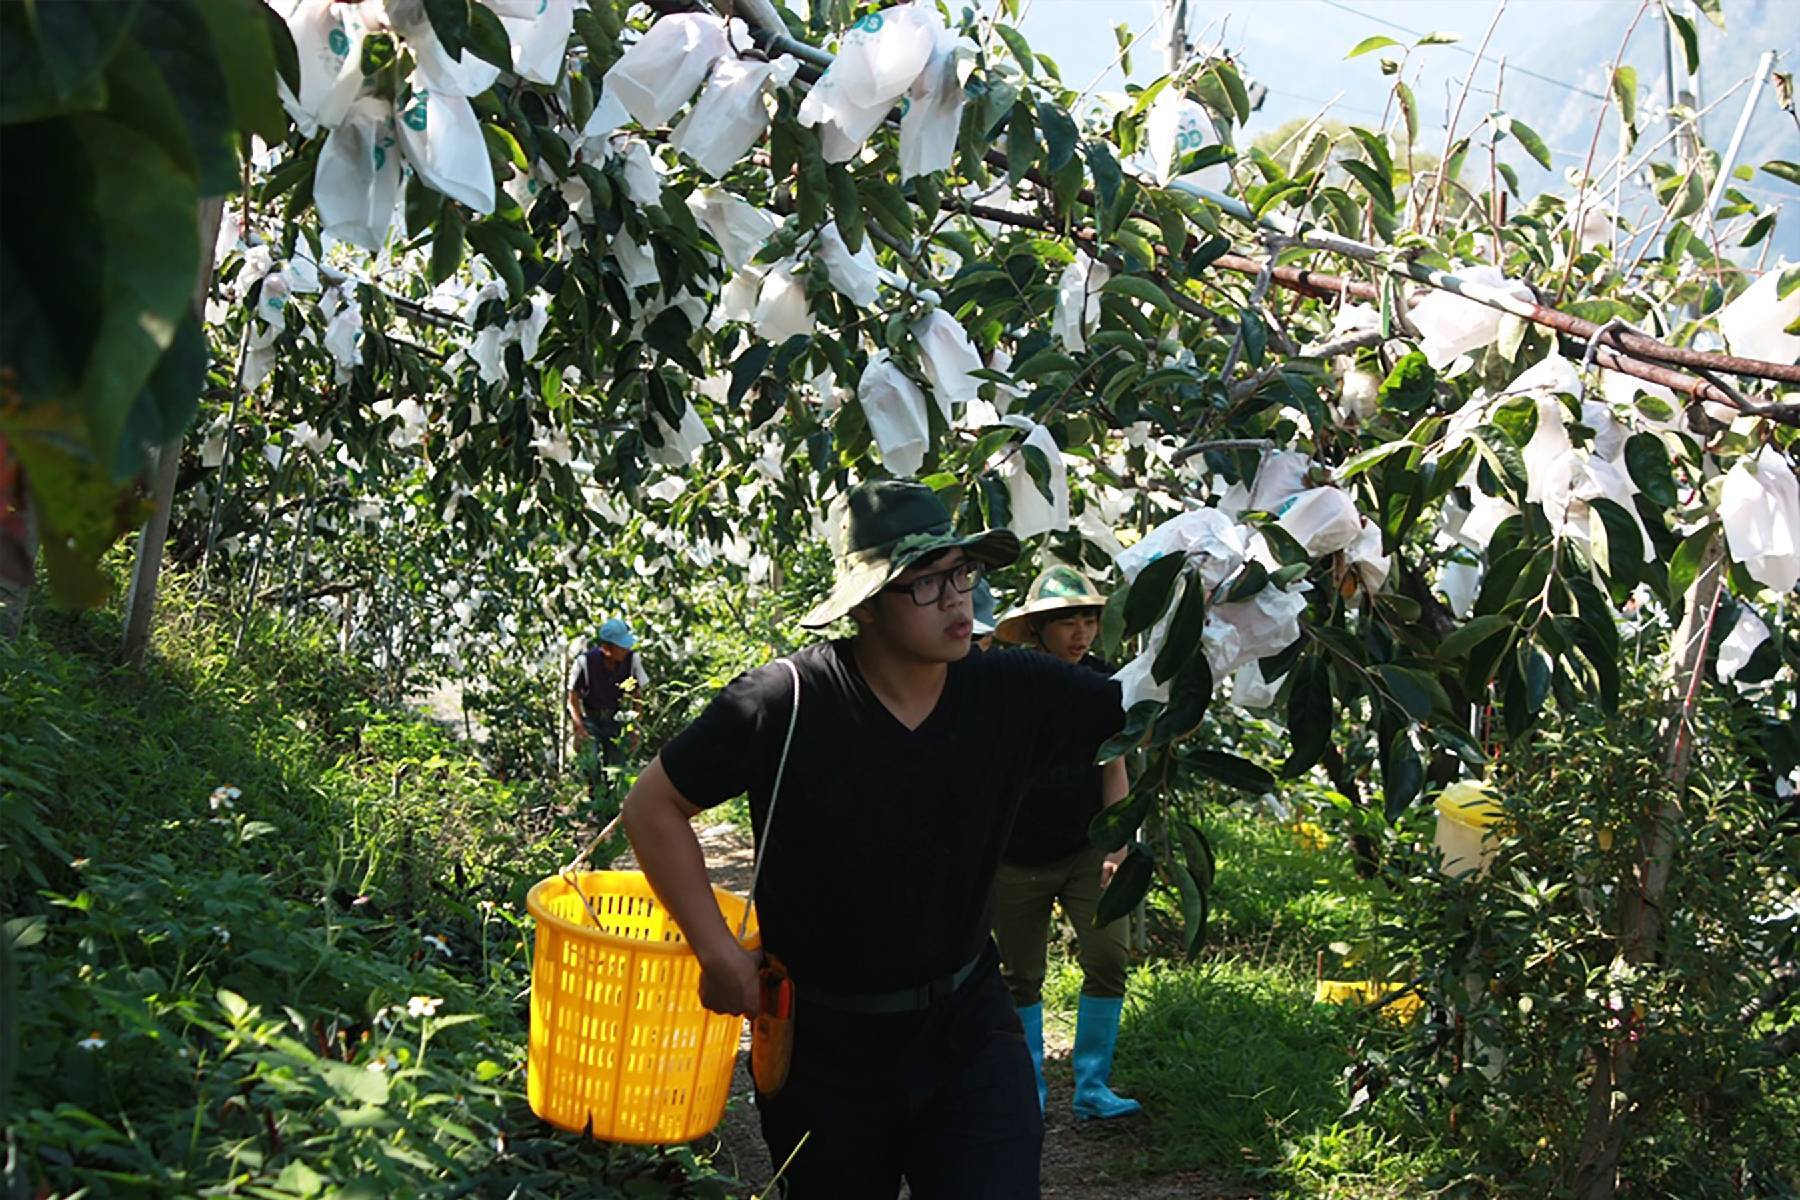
(881, 859)
(1053, 821)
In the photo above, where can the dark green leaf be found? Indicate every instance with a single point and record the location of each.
(1376, 184)
(746, 368)
(1230, 770)
(170, 396)
(1410, 385)
(486, 38)
(1116, 824)
(1193, 909)
(1105, 169)
(846, 206)
(450, 21)
(1684, 566)
(1112, 623)
(1309, 716)
(1255, 335)
(242, 46)
(487, 240)
(1759, 229)
(1060, 134)
(1647, 460)
(1189, 697)
(1472, 634)
(1534, 669)
(1402, 774)
(1138, 288)
(1184, 630)
(1690, 38)
(1623, 556)
(1021, 49)
(1129, 884)
(1150, 592)
(1407, 691)
(55, 57)
(1198, 852)
(1250, 579)
(1534, 145)
(1503, 454)
(144, 212)
(446, 243)
(1138, 722)
(1783, 170)
(169, 62)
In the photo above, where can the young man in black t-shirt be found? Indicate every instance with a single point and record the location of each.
(909, 756)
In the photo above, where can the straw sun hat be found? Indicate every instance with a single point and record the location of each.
(1058, 588)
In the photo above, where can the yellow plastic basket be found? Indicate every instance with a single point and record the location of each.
(620, 1045)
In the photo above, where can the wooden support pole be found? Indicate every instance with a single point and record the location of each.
(140, 602)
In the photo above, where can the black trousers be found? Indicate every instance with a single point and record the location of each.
(945, 1099)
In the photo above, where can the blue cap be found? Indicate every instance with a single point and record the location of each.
(983, 603)
(616, 631)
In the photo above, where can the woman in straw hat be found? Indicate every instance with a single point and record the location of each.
(906, 755)
(1049, 860)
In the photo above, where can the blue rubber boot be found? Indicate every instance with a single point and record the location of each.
(1032, 1018)
(1096, 1033)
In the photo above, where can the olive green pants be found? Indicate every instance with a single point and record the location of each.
(1023, 900)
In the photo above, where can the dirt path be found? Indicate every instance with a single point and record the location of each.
(1080, 1158)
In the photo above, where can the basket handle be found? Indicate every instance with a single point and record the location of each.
(569, 873)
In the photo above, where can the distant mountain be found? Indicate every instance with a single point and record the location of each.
(1579, 46)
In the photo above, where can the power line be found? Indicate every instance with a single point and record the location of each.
(1512, 67)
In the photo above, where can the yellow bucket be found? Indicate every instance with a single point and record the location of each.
(1468, 816)
(1403, 1009)
(620, 1045)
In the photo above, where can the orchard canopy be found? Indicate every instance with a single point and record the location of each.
(510, 302)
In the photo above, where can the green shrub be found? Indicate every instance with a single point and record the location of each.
(1528, 986)
(264, 935)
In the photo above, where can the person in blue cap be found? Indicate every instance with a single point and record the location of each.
(598, 685)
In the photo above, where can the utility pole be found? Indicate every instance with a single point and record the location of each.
(1178, 23)
(1685, 92)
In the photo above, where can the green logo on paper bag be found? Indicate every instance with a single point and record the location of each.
(339, 41)
(415, 116)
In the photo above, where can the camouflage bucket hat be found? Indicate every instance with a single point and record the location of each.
(1058, 588)
(880, 529)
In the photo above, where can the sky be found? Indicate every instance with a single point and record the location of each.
(1296, 48)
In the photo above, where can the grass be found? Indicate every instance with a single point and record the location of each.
(1240, 1073)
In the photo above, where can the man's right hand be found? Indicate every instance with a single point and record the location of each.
(728, 981)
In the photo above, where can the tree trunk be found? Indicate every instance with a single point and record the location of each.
(1641, 904)
(140, 602)
(18, 543)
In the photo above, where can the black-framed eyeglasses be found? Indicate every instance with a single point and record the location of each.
(929, 589)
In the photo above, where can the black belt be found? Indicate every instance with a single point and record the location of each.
(905, 1000)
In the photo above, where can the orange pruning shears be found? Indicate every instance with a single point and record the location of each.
(772, 1031)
